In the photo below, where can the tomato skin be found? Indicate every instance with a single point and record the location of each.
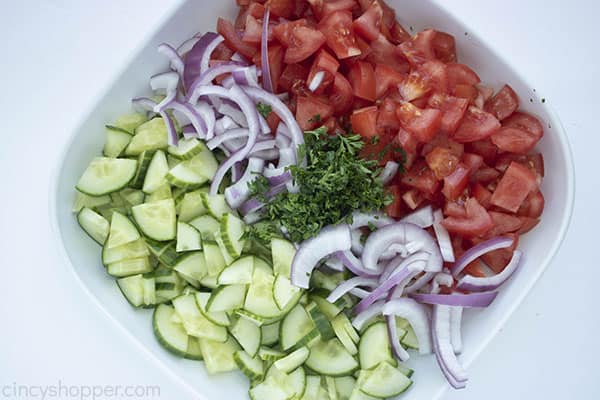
(482, 195)
(476, 125)
(503, 223)
(526, 122)
(284, 31)
(484, 148)
(453, 209)
(442, 162)
(232, 39)
(453, 110)
(368, 25)
(332, 6)
(456, 183)
(533, 206)
(382, 51)
(394, 209)
(386, 78)
(386, 119)
(461, 74)
(465, 91)
(519, 133)
(423, 124)
(292, 74)
(503, 104)
(419, 48)
(472, 161)
(362, 79)
(398, 34)
(308, 107)
(276, 63)
(436, 74)
(444, 47)
(419, 176)
(477, 221)
(364, 122)
(442, 140)
(341, 94)
(305, 42)
(514, 187)
(485, 175)
(527, 224)
(337, 29)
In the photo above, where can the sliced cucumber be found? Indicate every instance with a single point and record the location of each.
(129, 267)
(384, 381)
(192, 205)
(269, 355)
(410, 339)
(238, 273)
(155, 176)
(195, 323)
(164, 252)
(269, 389)
(227, 298)
(218, 356)
(170, 335)
(94, 224)
(144, 160)
(252, 367)
(106, 175)
(138, 290)
(83, 200)
(260, 321)
(116, 140)
(344, 386)
(192, 265)
(297, 329)
(215, 263)
(187, 148)
(206, 225)
(313, 388)
(329, 309)
(129, 122)
(332, 393)
(270, 334)
(374, 346)
(168, 284)
(131, 250)
(132, 197)
(209, 282)
(293, 383)
(193, 172)
(340, 327)
(157, 220)
(283, 253)
(248, 335)
(259, 299)
(320, 321)
(204, 163)
(193, 352)
(188, 238)
(226, 256)
(216, 317)
(331, 358)
(151, 135)
(215, 205)
(284, 291)
(122, 231)
(293, 360)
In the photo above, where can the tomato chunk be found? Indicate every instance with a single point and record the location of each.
(362, 79)
(326, 63)
(407, 141)
(284, 31)
(476, 222)
(386, 78)
(281, 8)
(368, 25)
(444, 47)
(364, 122)
(461, 74)
(304, 42)
(423, 124)
(233, 40)
(394, 209)
(339, 34)
(503, 104)
(252, 30)
(341, 95)
(310, 111)
(456, 183)
(453, 110)
(519, 134)
(419, 48)
(386, 120)
(441, 161)
(419, 176)
(476, 125)
(382, 51)
(293, 74)
(514, 186)
(482, 195)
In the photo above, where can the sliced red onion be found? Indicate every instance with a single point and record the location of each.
(224, 124)
(208, 76)
(334, 264)
(331, 239)
(193, 57)
(265, 129)
(419, 283)
(475, 284)
(441, 279)
(390, 267)
(416, 315)
(354, 264)
(350, 284)
(208, 116)
(316, 81)
(239, 192)
(252, 218)
(368, 314)
(228, 82)
(416, 262)
(482, 299)
(357, 243)
(245, 76)
(236, 172)
(193, 115)
(236, 133)
(237, 57)
(456, 329)
(276, 177)
(188, 44)
(210, 47)
(389, 172)
(237, 115)
(478, 250)
(175, 60)
(268, 154)
(444, 352)
(251, 206)
(264, 53)
(190, 132)
(443, 237)
(283, 130)
(422, 217)
(143, 104)
(172, 137)
(360, 293)
(400, 233)
(282, 141)
(392, 330)
(378, 220)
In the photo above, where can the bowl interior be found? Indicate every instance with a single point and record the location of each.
(479, 325)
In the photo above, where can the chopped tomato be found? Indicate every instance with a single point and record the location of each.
(476, 222)
(419, 176)
(310, 111)
(461, 74)
(476, 125)
(281, 8)
(484, 148)
(485, 174)
(527, 224)
(465, 91)
(232, 39)
(503, 223)
(398, 34)
(337, 29)
(514, 186)
(381, 51)
(472, 160)
(257, 10)
(533, 206)
(332, 6)
(362, 79)
(386, 120)
(453, 209)
(482, 195)
(275, 63)
(407, 141)
(419, 48)
(304, 42)
(456, 183)
(519, 134)
(497, 260)
(364, 122)
(436, 74)
(414, 86)
(394, 209)
(326, 63)
(453, 110)
(368, 25)
(252, 30)
(221, 52)
(386, 78)
(442, 140)
(423, 124)
(534, 162)
(441, 161)
(503, 104)
(444, 47)
(273, 121)
(341, 95)
(284, 31)
(292, 75)
(526, 122)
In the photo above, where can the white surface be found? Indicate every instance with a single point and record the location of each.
(59, 54)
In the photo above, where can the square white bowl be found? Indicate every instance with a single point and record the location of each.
(480, 326)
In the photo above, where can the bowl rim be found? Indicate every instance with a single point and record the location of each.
(67, 143)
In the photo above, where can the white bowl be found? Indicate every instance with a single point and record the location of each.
(480, 326)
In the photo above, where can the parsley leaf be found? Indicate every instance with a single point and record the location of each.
(264, 109)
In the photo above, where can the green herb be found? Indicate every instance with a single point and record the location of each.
(375, 140)
(335, 182)
(263, 232)
(259, 188)
(316, 118)
(264, 109)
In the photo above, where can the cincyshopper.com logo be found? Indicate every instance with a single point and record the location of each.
(63, 391)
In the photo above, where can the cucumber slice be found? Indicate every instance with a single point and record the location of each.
(193, 351)
(284, 291)
(374, 347)
(269, 355)
(129, 122)
(269, 390)
(168, 284)
(215, 263)
(162, 193)
(282, 253)
(410, 339)
(258, 320)
(188, 238)
(297, 328)
(248, 335)
(164, 252)
(259, 299)
(216, 317)
(132, 197)
(129, 267)
(313, 388)
(192, 265)
(193, 172)
(94, 224)
(156, 220)
(252, 367)
(326, 281)
(122, 231)
(226, 256)
(187, 148)
(344, 386)
(156, 174)
(227, 298)
(116, 140)
(151, 135)
(83, 200)
(106, 175)
(293, 360)
(131, 250)
(207, 226)
(385, 381)
(270, 334)
(144, 160)
(209, 282)
(332, 393)
(331, 358)
(320, 321)
(195, 323)
(138, 290)
(238, 273)
(218, 356)
(408, 372)
(293, 383)
(192, 205)
(329, 309)
(215, 205)
(339, 324)
(170, 335)
(205, 163)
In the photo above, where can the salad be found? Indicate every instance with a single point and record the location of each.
(312, 195)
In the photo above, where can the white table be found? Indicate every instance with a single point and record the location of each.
(58, 54)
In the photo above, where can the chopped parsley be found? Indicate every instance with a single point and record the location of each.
(264, 109)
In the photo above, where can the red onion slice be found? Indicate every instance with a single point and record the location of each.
(264, 53)
(224, 124)
(210, 47)
(276, 177)
(236, 133)
(441, 279)
(331, 239)
(392, 330)
(334, 264)
(143, 104)
(252, 218)
(389, 172)
(208, 116)
(172, 137)
(175, 60)
(188, 44)
(475, 284)
(251, 206)
(360, 293)
(237, 193)
(350, 284)
(354, 264)
(208, 76)
(419, 283)
(444, 353)
(443, 237)
(316, 81)
(193, 57)
(193, 115)
(482, 299)
(190, 132)
(456, 329)
(416, 315)
(245, 76)
(423, 217)
(478, 250)
(368, 314)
